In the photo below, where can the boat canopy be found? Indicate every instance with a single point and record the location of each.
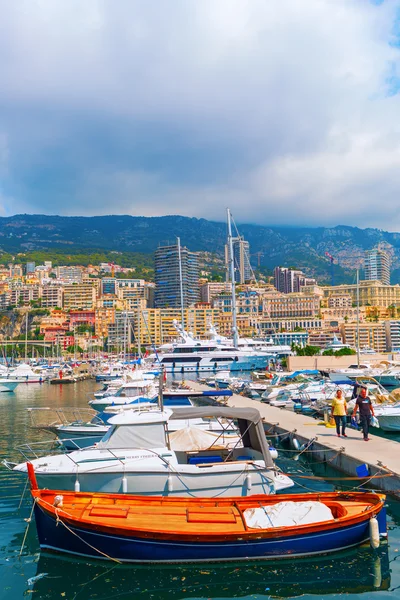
(136, 430)
(249, 423)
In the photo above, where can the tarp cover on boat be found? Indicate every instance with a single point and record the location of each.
(287, 514)
(249, 423)
(192, 439)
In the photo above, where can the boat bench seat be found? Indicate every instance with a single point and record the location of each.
(205, 515)
(109, 511)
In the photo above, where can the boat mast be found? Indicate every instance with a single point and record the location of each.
(358, 318)
(26, 336)
(178, 241)
(232, 278)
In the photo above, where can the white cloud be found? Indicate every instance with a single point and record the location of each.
(296, 91)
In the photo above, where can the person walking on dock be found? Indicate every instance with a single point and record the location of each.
(364, 405)
(339, 412)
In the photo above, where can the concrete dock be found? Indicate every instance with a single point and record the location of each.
(382, 456)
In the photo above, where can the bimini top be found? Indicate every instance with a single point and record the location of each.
(140, 417)
(249, 421)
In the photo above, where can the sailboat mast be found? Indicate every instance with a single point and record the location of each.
(358, 318)
(26, 336)
(178, 241)
(232, 278)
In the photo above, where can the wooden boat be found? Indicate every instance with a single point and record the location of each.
(160, 529)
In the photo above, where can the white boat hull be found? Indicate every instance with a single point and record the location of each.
(389, 422)
(211, 482)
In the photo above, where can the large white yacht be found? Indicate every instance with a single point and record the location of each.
(215, 354)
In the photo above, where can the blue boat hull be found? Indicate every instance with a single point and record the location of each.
(96, 544)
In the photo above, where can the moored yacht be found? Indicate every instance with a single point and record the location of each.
(135, 456)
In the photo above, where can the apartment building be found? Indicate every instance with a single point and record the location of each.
(79, 296)
(377, 265)
(372, 335)
(51, 296)
(290, 306)
(372, 293)
(157, 325)
(212, 289)
(69, 274)
(175, 265)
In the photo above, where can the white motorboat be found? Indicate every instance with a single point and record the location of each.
(139, 385)
(25, 373)
(8, 384)
(135, 456)
(388, 416)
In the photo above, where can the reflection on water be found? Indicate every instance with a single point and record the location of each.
(45, 576)
(355, 572)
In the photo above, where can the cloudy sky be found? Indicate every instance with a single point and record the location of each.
(287, 111)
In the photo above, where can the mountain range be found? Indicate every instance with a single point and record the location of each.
(300, 247)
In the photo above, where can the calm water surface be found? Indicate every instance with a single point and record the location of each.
(361, 573)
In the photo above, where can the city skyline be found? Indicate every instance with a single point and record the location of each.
(141, 106)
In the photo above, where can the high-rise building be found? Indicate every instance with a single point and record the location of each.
(30, 267)
(109, 285)
(167, 277)
(241, 260)
(287, 280)
(377, 265)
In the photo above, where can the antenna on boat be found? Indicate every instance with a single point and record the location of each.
(232, 278)
(161, 389)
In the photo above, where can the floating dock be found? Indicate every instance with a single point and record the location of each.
(381, 455)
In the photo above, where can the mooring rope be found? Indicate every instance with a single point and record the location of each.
(29, 520)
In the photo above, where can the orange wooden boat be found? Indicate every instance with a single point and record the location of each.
(162, 529)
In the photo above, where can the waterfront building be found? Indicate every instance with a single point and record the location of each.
(377, 265)
(372, 293)
(167, 277)
(392, 328)
(287, 338)
(267, 326)
(286, 306)
(372, 335)
(157, 325)
(241, 260)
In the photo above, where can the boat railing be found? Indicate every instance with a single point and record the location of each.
(48, 416)
(33, 450)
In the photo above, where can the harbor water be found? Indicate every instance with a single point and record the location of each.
(27, 573)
